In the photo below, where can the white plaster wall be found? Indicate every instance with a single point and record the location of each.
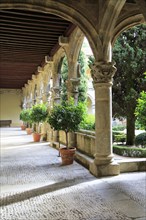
(10, 101)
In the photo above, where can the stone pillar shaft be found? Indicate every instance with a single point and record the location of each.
(103, 122)
(102, 74)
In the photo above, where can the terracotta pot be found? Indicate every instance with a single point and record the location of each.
(23, 127)
(28, 130)
(36, 137)
(67, 155)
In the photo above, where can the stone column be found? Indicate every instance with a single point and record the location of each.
(27, 96)
(34, 89)
(30, 93)
(72, 88)
(56, 94)
(102, 74)
(24, 98)
(56, 99)
(72, 91)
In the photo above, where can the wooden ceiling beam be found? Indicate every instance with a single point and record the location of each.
(32, 24)
(6, 42)
(25, 38)
(22, 50)
(18, 51)
(32, 28)
(30, 14)
(39, 21)
(24, 42)
(25, 31)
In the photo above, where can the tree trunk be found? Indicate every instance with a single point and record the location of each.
(130, 129)
(66, 133)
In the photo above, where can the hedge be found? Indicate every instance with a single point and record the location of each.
(119, 136)
(129, 151)
(140, 140)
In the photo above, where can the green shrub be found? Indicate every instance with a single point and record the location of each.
(88, 123)
(140, 140)
(25, 116)
(129, 151)
(118, 128)
(39, 113)
(119, 136)
(140, 110)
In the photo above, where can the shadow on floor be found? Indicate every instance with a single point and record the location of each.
(19, 197)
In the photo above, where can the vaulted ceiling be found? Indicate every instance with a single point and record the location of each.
(26, 37)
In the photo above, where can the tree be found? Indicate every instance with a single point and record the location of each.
(129, 53)
(83, 80)
(141, 110)
(66, 117)
(25, 116)
(39, 113)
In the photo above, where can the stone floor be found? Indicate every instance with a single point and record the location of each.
(34, 186)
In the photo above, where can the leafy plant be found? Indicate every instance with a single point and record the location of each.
(120, 138)
(39, 113)
(140, 111)
(118, 128)
(88, 122)
(25, 115)
(66, 117)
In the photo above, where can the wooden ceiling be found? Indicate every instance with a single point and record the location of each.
(26, 37)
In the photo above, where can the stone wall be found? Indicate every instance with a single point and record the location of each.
(85, 141)
(10, 102)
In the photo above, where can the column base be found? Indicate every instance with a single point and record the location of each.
(111, 169)
(103, 160)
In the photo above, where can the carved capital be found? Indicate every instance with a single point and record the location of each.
(39, 69)
(73, 84)
(56, 92)
(103, 72)
(48, 59)
(63, 41)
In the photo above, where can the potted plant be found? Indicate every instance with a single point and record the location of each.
(25, 117)
(39, 113)
(66, 117)
(29, 122)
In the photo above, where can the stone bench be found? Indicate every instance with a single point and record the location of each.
(5, 123)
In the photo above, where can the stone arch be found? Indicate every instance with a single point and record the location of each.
(110, 16)
(57, 58)
(126, 24)
(63, 10)
(57, 61)
(90, 104)
(75, 44)
(72, 50)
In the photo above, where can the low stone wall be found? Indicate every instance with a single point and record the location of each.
(84, 141)
(62, 137)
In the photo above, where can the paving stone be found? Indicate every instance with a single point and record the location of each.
(35, 186)
(130, 208)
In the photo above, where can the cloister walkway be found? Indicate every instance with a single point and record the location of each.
(35, 186)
